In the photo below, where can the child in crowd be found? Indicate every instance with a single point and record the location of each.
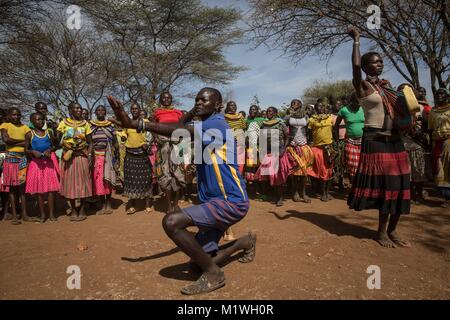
(42, 175)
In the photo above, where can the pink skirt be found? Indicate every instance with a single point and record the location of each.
(275, 173)
(55, 161)
(42, 176)
(101, 187)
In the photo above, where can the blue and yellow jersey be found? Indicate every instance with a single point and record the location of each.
(218, 176)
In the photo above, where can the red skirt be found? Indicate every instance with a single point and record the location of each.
(320, 169)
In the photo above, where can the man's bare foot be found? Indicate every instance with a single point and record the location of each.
(384, 241)
(296, 197)
(329, 197)
(16, 222)
(324, 198)
(8, 216)
(398, 241)
(53, 218)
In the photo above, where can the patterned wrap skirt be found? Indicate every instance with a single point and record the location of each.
(304, 159)
(171, 176)
(441, 165)
(382, 180)
(76, 181)
(137, 176)
(251, 164)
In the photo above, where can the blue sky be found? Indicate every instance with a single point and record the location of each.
(277, 80)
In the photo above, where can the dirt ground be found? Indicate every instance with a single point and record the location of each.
(304, 251)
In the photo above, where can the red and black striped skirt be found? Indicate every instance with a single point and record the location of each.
(382, 180)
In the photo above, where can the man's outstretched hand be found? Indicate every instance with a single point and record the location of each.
(121, 114)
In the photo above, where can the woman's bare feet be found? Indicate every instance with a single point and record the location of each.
(384, 241)
(398, 241)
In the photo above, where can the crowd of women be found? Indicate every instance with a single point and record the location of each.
(352, 138)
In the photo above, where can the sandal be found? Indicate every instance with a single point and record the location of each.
(148, 210)
(204, 285)
(228, 237)
(249, 254)
(131, 211)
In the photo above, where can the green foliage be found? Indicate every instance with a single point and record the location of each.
(327, 91)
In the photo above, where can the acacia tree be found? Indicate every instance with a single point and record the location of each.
(57, 65)
(16, 15)
(411, 33)
(327, 90)
(167, 43)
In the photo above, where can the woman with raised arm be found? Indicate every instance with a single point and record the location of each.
(382, 180)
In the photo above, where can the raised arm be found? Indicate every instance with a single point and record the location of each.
(356, 62)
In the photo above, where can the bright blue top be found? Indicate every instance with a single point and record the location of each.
(218, 176)
(40, 144)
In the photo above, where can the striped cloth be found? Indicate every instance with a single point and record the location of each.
(352, 151)
(382, 180)
(213, 218)
(76, 182)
